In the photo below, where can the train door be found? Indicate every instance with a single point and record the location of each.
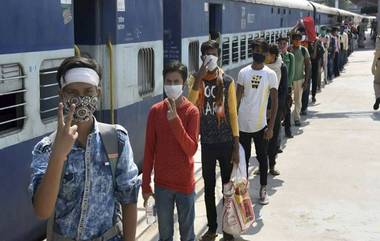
(215, 21)
(93, 37)
(172, 30)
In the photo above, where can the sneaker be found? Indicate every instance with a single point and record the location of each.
(257, 172)
(313, 100)
(274, 172)
(303, 112)
(208, 236)
(376, 105)
(297, 123)
(279, 151)
(263, 200)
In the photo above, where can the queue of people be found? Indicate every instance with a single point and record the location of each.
(84, 179)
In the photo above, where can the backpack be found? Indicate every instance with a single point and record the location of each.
(108, 134)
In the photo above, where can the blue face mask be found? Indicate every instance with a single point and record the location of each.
(258, 58)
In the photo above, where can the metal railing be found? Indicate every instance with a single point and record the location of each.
(193, 57)
(226, 51)
(243, 47)
(11, 97)
(146, 71)
(235, 49)
(49, 97)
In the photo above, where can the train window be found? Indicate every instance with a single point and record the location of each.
(278, 11)
(235, 49)
(272, 10)
(267, 37)
(12, 101)
(243, 48)
(290, 11)
(250, 40)
(193, 57)
(49, 89)
(284, 11)
(146, 71)
(226, 51)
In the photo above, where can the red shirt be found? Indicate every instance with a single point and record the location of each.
(170, 147)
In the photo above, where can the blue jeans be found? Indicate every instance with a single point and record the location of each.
(165, 200)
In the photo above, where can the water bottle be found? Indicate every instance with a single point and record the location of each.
(150, 210)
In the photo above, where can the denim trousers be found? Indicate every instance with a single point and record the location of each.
(165, 201)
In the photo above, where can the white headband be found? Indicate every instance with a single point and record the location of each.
(80, 75)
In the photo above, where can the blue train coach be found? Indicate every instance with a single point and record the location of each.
(131, 39)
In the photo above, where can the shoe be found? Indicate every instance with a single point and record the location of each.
(297, 123)
(288, 134)
(376, 105)
(263, 200)
(208, 236)
(279, 150)
(274, 172)
(313, 100)
(257, 172)
(303, 112)
(228, 237)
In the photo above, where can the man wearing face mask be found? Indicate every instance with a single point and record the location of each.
(275, 63)
(213, 92)
(301, 74)
(74, 179)
(170, 144)
(256, 83)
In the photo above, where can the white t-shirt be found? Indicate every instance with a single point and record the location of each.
(253, 105)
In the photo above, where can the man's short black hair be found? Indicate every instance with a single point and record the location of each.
(77, 62)
(283, 38)
(296, 36)
(260, 43)
(273, 49)
(209, 44)
(175, 66)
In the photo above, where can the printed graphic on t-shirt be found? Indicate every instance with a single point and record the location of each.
(210, 107)
(256, 81)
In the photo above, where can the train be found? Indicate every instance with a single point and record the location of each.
(132, 40)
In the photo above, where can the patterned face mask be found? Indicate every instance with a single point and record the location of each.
(85, 106)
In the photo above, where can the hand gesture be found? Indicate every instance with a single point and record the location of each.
(66, 134)
(268, 134)
(203, 70)
(172, 110)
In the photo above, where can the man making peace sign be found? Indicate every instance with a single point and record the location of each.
(73, 182)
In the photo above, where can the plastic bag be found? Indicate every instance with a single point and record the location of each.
(238, 214)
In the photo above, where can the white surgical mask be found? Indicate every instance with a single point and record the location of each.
(173, 91)
(213, 62)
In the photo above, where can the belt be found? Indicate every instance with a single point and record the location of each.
(110, 233)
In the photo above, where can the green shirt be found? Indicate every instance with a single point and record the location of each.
(288, 59)
(299, 63)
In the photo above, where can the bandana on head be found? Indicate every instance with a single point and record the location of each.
(80, 75)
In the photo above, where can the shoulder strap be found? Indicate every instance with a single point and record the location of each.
(108, 134)
(50, 222)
